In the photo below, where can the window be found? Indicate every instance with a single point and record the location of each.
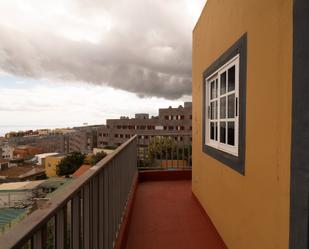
(222, 91)
(224, 107)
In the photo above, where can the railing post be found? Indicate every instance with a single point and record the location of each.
(39, 238)
(95, 213)
(61, 232)
(106, 208)
(101, 210)
(75, 222)
(86, 216)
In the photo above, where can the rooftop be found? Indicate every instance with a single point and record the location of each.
(7, 215)
(19, 170)
(20, 186)
(82, 169)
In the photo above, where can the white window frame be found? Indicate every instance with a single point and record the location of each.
(231, 149)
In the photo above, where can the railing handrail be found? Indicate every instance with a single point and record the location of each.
(168, 133)
(18, 234)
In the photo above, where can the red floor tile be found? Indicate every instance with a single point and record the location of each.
(166, 216)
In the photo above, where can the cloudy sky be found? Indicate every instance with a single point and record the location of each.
(67, 62)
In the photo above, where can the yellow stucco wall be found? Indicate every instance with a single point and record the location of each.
(51, 165)
(251, 211)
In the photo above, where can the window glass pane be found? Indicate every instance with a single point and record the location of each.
(231, 106)
(216, 131)
(222, 132)
(223, 83)
(212, 130)
(216, 87)
(213, 110)
(231, 133)
(213, 90)
(223, 107)
(231, 79)
(216, 110)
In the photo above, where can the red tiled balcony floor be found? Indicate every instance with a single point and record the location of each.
(167, 216)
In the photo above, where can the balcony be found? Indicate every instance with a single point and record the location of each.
(117, 205)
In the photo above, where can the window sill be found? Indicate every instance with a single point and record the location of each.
(236, 163)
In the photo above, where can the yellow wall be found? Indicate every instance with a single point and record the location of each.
(51, 165)
(251, 211)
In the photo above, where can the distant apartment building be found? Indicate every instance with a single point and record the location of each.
(83, 139)
(170, 121)
(176, 121)
(47, 143)
(26, 151)
(6, 151)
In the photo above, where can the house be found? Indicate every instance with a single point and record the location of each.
(26, 151)
(7, 151)
(4, 164)
(51, 163)
(250, 127)
(40, 158)
(16, 194)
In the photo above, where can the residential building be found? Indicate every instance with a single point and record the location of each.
(82, 140)
(51, 163)
(40, 158)
(26, 151)
(7, 151)
(16, 194)
(250, 93)
(4, 164)
(47, 143)
(24, 172)
(176, 121)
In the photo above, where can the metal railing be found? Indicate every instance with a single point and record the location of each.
(168, 151)
(86, 213)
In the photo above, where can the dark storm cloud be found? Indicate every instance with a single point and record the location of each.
(145, 49)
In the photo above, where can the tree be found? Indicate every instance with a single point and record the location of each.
(97, 157)
(69, 164)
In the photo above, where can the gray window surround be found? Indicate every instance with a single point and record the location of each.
(236, 163)
(299, 189)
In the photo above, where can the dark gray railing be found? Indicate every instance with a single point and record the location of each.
(86, 213)
(168, 151)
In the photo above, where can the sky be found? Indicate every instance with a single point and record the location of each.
(68, 62)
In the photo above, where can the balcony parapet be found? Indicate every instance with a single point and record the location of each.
(84, 214)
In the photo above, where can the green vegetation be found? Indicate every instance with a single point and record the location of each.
(97, 157)
(163, 148)
(110, 147)
(69, 164)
